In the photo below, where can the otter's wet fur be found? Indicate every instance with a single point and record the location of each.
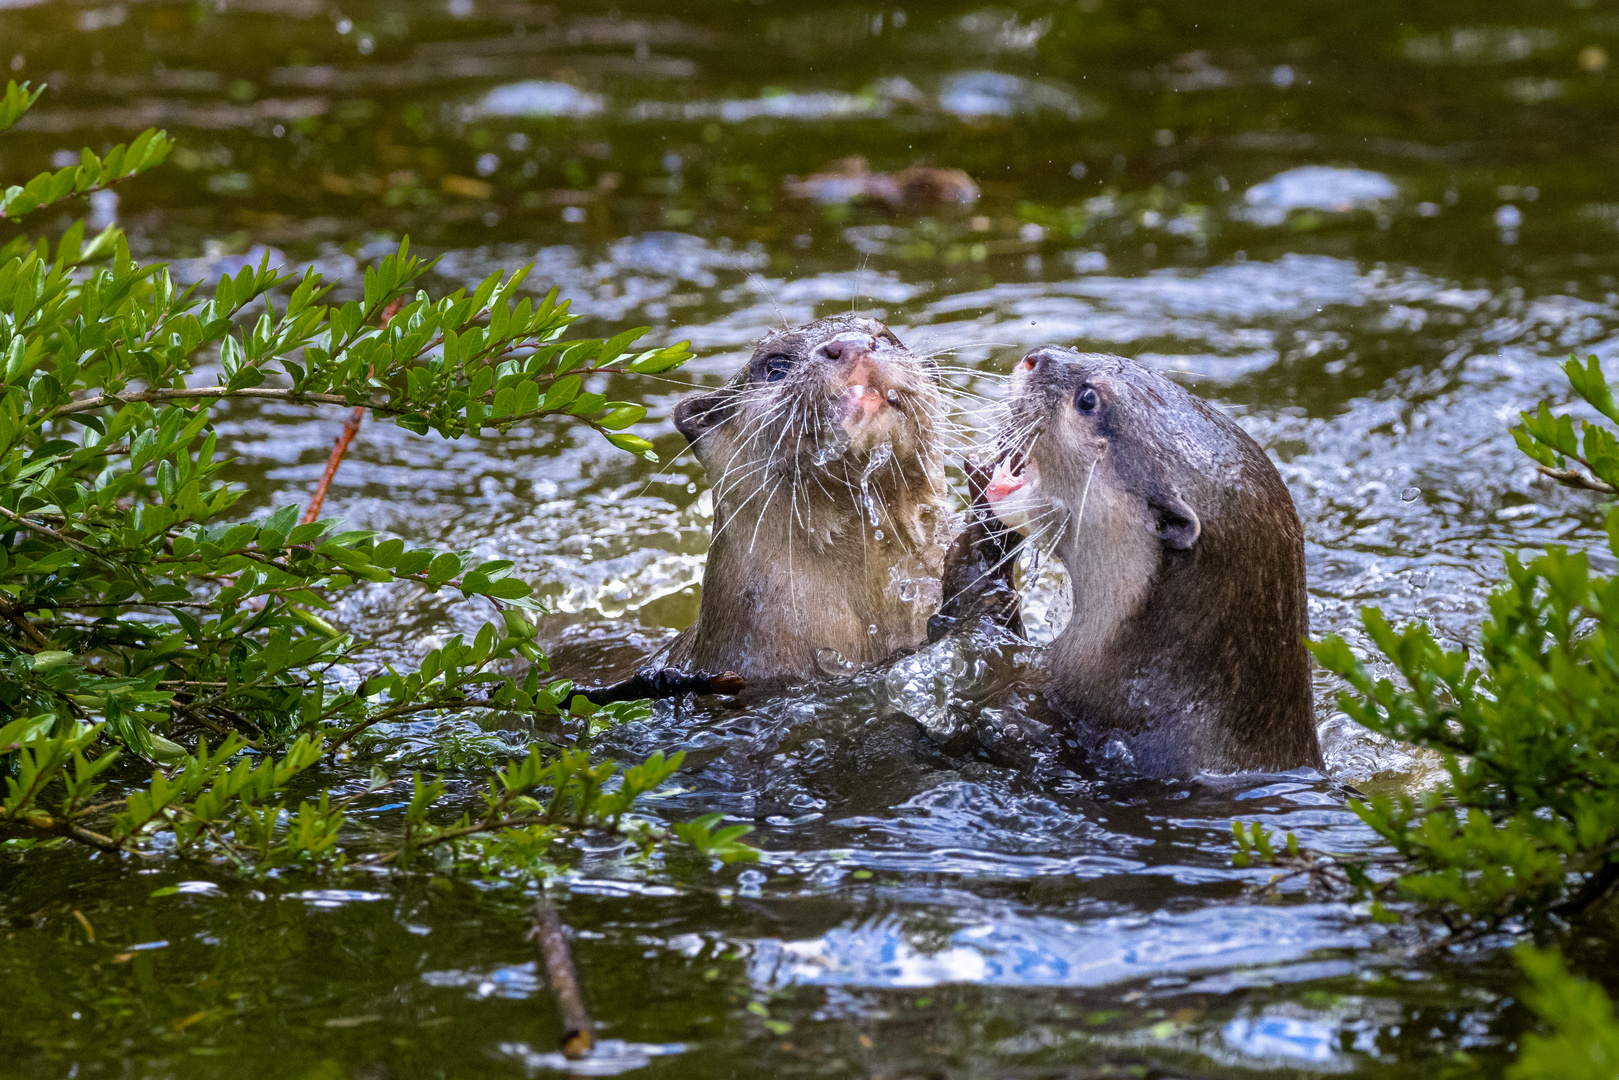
(826, 455)
(1186, 558)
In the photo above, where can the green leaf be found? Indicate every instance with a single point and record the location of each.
(18, 99)
(562, 392)
(623, 415)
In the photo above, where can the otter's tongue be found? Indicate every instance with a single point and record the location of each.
(1012, 494)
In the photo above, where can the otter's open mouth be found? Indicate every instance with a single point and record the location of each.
(865, 411)
(1013, 492)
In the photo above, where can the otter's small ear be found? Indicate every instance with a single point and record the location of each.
(1178, 526)
(695, 416)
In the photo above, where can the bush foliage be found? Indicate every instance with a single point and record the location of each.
(1527, 725)
(1525, 836)
(141, 622)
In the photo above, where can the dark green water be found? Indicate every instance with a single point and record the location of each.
(1376, 326)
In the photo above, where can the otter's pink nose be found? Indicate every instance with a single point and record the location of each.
(1037, 357)
(847, 347)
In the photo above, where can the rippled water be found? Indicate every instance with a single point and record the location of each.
(1370, 240)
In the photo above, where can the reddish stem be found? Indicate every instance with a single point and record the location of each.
(351, 428)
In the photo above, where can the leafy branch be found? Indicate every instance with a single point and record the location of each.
(146, 628)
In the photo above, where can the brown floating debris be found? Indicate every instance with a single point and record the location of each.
(550, 938)
(919, 187)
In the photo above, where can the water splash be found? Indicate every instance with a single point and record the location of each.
(835, 449)
(881, 455)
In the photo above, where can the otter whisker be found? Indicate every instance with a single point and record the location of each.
(760, 285)
(762, 511)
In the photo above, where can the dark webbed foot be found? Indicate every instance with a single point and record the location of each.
(666, 682)
(977, 579)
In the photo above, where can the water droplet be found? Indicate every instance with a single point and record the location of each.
(838, 447)
(879, 534)
(832, 662)
(691, 488)
(893, 396)
(1410, 494)
(880, 455)
(872, 629)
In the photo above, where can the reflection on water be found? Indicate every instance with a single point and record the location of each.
(1367, 240)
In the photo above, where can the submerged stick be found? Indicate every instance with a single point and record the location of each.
(351, 428)
(550, 939)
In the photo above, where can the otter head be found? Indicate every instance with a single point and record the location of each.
(836, 418)
(826, 456)
(1186, 560)
(1092, 460)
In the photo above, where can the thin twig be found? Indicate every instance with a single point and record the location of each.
(37, 819)
(550, 939)
(351, 428)
(43, 530)
(15, 616)
(297, 397)
(1575, 479)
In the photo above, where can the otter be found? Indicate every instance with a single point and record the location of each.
(826, 455)
(1186, 558)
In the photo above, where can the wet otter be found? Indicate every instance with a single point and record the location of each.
(826, 455)
(1187, 562)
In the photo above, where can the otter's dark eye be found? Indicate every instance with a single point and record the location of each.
(1086, 400)
(776, 368)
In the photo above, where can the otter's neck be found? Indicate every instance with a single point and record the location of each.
(1111, 554)
(786, 586)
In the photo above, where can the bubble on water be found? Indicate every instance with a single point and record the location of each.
(749, 881)
(1410, 494)
(691, 488)
(832, 662)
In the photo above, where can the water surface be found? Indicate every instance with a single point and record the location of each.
(1369, 239)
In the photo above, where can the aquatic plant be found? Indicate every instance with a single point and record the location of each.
(167, 675)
